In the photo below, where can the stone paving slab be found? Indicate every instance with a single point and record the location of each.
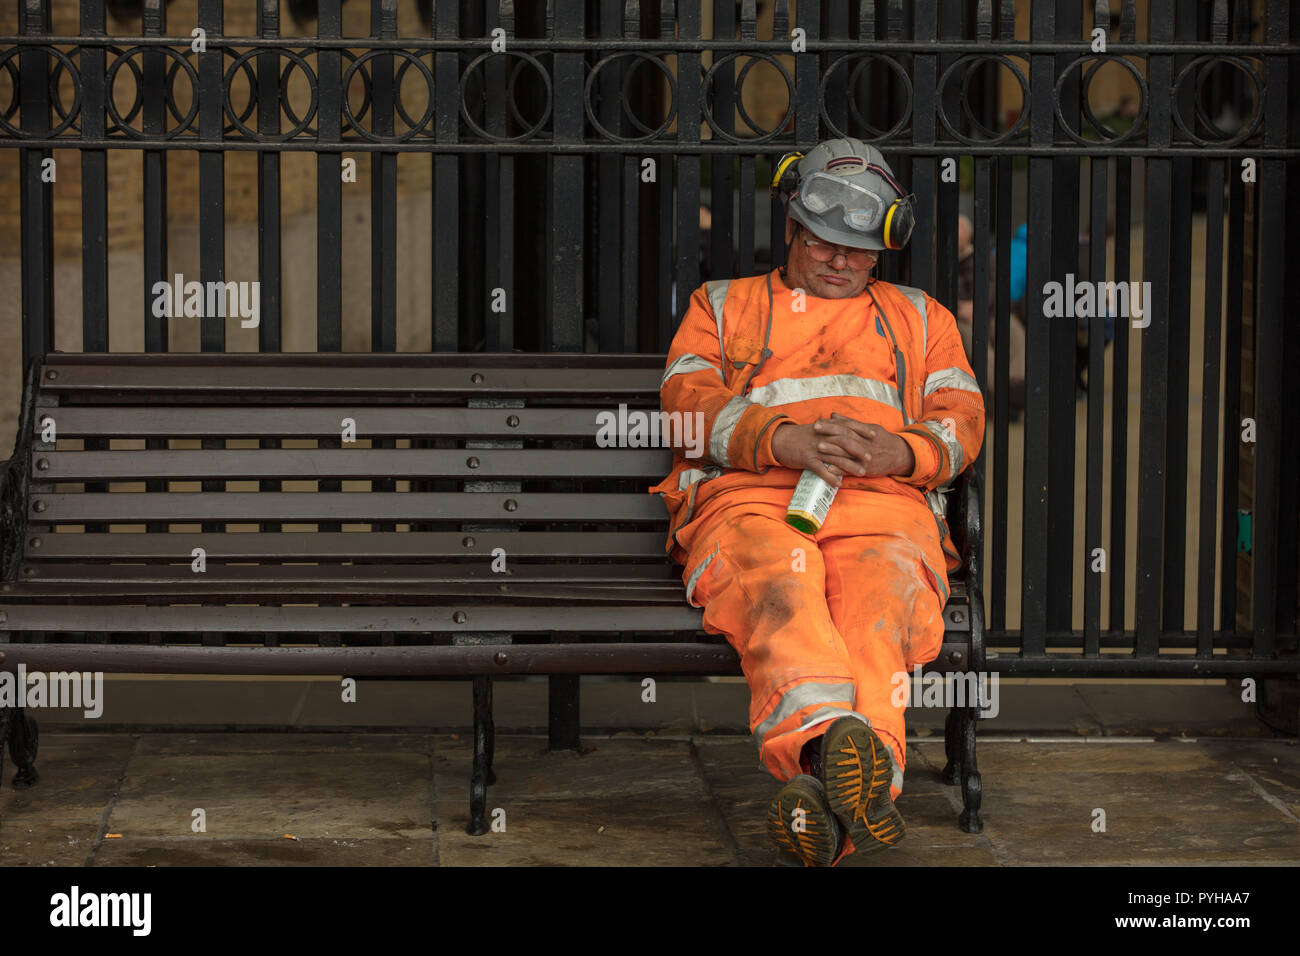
(622, 801)
(635, 799)
(265, 795)
(182, 851)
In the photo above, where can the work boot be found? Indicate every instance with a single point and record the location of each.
(856, 772)
(802, 825)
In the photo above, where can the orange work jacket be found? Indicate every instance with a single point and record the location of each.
(747, 366)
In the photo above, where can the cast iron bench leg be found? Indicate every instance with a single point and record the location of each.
(959, 745)
(23, 739)
(484, 745)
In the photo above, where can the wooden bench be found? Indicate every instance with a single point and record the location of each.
(367, 558)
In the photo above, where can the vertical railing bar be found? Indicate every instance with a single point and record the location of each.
(1270, 343)
(979, 339)
(500, 173)
(607, 192)
(1007, 19)
(947, 206)
(1210, 424)
(1232, 372)
(751, 191)
(776, 229)
(94, 191)
(999, 569)
(383, 186)
(1096, 412)
(445, 268)
(923, 178)
(1155, 342)
(36, 207)
(722, 178)
(212, 172)
(269, 97)
(1178, 382)
(835, 100)
(1063, 242)
(867, 19)
(631, 195)
(686, 269)
(1035, 545)
(1117, 576)
(566, 311)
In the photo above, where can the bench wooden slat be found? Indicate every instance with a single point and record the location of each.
(320, 379)
(449, 617)
(349, 545)
(649, 464)
(282, 507)
(658, 574)
(199, 589)
(319, 421)
(507, 361)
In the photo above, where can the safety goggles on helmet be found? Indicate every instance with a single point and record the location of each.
(863, 209)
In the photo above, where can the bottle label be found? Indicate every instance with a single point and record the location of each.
(810, 503)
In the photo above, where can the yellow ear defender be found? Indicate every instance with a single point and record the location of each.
(785, 178)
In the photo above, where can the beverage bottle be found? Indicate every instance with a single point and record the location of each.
(810, 503)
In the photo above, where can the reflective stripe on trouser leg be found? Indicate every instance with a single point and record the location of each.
(886, 608)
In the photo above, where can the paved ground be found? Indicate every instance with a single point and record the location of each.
(682, 788)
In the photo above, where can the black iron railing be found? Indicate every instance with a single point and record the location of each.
(571, 145)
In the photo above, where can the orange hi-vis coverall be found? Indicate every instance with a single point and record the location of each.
(828, 624)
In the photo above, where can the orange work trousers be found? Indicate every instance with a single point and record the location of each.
(828, 624)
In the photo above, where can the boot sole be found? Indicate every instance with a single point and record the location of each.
(857, 770)
(818, 842)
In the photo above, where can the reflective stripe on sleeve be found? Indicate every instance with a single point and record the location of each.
(951, 378)
(723, 427)
(716, 290)
(956, 457)
(686, 363)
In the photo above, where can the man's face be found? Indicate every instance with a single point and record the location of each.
(827, 280)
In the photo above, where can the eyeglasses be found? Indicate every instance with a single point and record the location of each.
(825, 252)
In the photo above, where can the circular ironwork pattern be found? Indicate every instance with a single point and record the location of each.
(525, 82)
(971, 61)
(1086, 106)
(625, 98)
(761, 135)
(299, 124)
(1199, 64)
(179, 60)
(863, 60)
(69, 115)
(512, 79)
(415, 128)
